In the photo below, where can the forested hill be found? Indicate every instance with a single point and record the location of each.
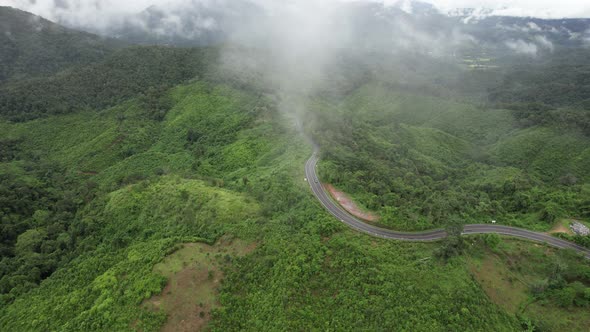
(48, 69)
(33, 46)
(124, 74)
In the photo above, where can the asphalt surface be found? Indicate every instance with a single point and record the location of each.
(433, 235)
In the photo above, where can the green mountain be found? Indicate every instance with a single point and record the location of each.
(154, 189)
(431, 159)
(119, 76)
(34, 46)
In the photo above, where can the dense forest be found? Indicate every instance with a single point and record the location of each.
(114, 159)
(124, 74)
(421, 160)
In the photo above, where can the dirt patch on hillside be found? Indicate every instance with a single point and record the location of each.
(349, 205)
(194, 273)
(561, 228)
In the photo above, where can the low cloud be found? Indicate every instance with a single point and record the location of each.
(99, 13)
(586, 38)
(522, 47)
(533, 26)
(544, 42)
(529, 27)
(530, 47)
(96, 14)
(520, 8)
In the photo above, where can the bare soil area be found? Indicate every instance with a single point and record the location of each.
(194, 273)
(560, 227)
(349, 205)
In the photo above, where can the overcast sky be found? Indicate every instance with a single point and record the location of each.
(78, 11)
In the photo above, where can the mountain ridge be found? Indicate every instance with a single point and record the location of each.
(34, 46)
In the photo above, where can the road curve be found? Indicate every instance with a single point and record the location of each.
(433, 235)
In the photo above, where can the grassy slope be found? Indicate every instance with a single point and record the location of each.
(194, 272)
(508, 274)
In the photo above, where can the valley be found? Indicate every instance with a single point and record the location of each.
(153, 179)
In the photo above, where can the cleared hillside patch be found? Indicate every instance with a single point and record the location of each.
(528, 280)
(193, 273)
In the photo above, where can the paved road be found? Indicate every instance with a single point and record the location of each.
(437, 234)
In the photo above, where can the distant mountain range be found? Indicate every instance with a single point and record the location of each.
(204, 23)
(408, 25)
(201, 23)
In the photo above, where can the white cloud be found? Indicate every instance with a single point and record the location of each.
(544, 42)
(80, 11)
(532, 48)
(528, 28)
(533, 26)
(532, 8)
(96, 13)
(522, 47)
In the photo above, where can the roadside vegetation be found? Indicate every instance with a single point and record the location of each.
(420, 161)
(546, 288)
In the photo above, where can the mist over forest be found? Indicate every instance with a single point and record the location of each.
(258, 165)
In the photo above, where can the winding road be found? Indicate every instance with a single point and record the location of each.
(433, 235)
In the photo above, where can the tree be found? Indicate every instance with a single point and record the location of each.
(551, 212)
(492, 240)
(565, 297)
(453, 244)
(29, 242)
